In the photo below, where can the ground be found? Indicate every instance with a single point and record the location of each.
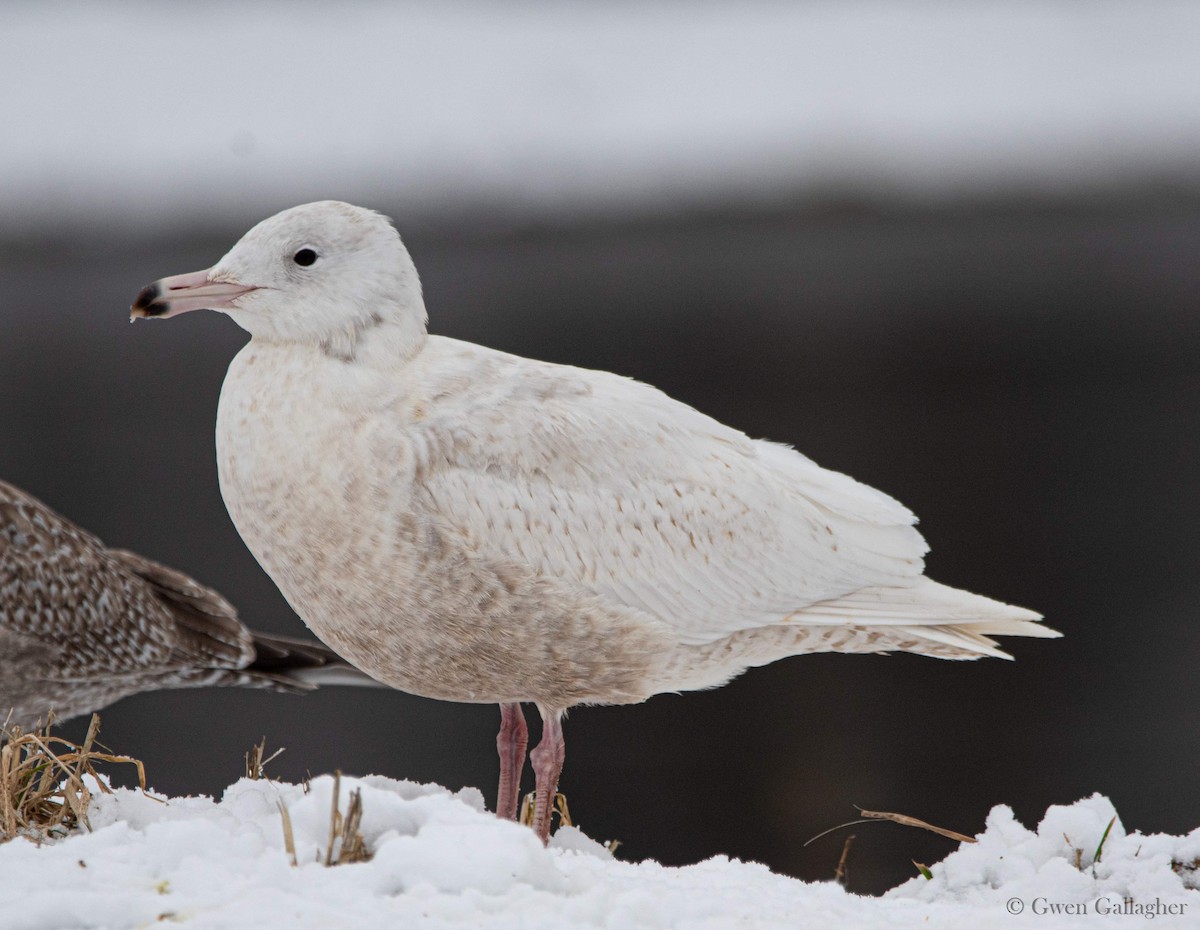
(438, 859)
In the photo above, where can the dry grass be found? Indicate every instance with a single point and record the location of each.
(564, 816)
(344, 831)
(871, 816)
(841, 873)
(257, 760)
(914, 822)
(1099, 849)
(42, 789)
(560, 808)
(289, 835)
(346, 844)
(1188, 872)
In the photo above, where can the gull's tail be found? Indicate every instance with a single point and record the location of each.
(928, 618)
(298, 665)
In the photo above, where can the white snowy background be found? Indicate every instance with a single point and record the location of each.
(137, 111)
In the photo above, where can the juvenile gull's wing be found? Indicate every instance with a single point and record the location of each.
(82, 625)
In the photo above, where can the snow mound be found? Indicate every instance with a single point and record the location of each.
(440, 860)
(1063, 863)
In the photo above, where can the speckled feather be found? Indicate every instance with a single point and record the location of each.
(82, 625)
(474, 526)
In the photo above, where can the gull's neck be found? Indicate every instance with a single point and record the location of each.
(375, 338)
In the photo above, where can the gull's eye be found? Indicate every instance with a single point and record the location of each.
(305, 257)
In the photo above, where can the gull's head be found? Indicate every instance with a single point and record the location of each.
(323, 273)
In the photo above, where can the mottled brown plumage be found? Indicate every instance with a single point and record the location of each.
(82, 625)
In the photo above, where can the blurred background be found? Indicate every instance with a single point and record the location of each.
(950, 250)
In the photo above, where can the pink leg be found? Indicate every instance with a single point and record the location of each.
(511, 743)
(547, 761)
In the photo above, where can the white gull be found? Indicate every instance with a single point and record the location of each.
(474, 526)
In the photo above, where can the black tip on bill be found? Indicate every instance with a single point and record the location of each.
(144, 303)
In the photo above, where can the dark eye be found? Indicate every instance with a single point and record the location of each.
(305, 257)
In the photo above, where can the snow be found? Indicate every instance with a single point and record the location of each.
(138, 111)
(1013, 863)
(441, 861)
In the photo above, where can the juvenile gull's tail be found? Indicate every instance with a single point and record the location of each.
(301, 665)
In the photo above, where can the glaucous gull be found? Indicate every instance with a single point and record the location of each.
(474, 526)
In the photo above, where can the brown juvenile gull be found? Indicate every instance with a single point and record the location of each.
(82, 625)
(474, 526)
